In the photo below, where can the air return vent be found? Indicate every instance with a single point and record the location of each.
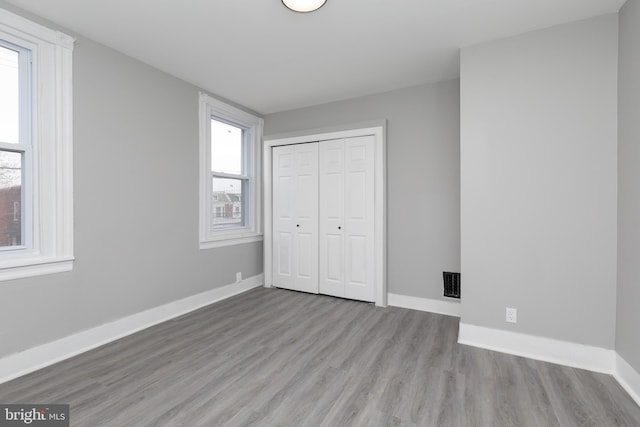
(451, 284)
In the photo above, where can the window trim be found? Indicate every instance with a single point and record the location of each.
(51, 199)
(209, 108)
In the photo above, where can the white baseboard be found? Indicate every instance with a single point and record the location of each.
(18, 364)
(449, 308)
(546, 349)
(628, 378)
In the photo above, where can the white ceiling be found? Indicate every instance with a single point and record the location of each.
(259, 54)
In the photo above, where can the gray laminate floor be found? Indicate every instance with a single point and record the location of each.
(278, 358)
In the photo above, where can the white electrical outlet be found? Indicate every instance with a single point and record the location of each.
(238, 277)
(512, 315)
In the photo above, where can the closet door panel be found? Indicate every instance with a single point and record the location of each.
(332, 199)
(283, 185)
(359, 218)
(295, 217)
(284, 254)
(335, 259)
(306, 217)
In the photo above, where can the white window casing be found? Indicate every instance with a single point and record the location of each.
(48, 198)
(251, 231)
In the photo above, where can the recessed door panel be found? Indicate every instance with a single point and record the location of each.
(285, 203)
(284, 254)
(285, 161)
(306, 196)
(334, 160)
(335, 258)
(306, 159)
(333, 203)
(305, 251)
(358, 155)
(357, 260)
(357, 200)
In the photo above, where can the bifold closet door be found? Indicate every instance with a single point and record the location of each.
(295, 217)
(346, 221)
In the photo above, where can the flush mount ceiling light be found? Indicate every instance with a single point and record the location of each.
(304, 5)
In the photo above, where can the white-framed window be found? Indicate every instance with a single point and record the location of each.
(230, 185)
(36, 178)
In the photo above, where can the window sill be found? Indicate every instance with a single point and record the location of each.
(231, 240)
(34, 267)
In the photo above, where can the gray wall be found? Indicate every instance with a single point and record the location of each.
(628, 320)
(423, 200)
(539, 182)
(136, 207)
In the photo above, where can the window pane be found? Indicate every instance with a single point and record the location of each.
(227, 203)
(226, 148)
(10, 96)
(10, 198)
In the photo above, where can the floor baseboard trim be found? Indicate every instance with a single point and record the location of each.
(19, 364)
(449, 308)
(628, 378)
(576, 355)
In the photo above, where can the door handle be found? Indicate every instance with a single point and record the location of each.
(339, 228)
(297, 225)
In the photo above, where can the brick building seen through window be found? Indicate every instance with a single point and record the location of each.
(10, 216)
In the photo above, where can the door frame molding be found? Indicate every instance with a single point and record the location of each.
(380, 213)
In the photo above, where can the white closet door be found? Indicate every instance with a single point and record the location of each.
(295, 217)
(332, 255)
(359, 218)
(347, 218)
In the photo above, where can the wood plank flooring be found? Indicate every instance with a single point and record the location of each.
(272, 357)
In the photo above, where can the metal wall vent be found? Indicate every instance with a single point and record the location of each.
(451, 284)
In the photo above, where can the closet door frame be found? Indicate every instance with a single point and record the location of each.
(378, 131)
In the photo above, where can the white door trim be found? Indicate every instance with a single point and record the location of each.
(380, 199)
